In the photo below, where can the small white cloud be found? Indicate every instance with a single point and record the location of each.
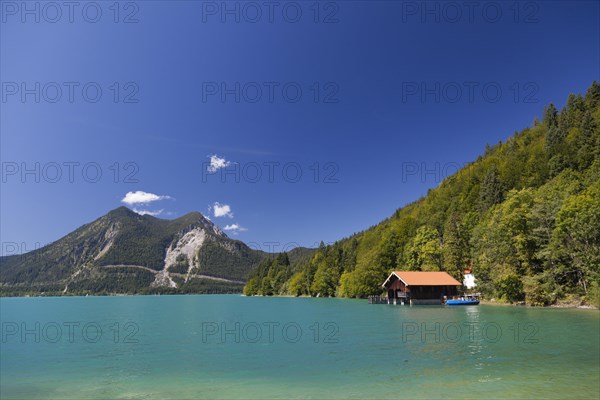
(148, 212)
(217, 163)
(234, 228)
(221, 210)
(140, 197)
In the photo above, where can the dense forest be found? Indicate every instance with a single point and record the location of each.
(525, 216)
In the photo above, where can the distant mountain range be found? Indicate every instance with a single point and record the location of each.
(124, 252)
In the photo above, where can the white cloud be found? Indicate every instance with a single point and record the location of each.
(221, 210)
(234, 228)
(140, 197)
(148, 212)
(216, 163)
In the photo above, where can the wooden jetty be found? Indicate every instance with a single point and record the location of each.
(378, 300)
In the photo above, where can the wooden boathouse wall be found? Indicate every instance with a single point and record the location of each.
(428, 288)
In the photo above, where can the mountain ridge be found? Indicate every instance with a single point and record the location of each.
(125, 252)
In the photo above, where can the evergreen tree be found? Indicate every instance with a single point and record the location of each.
(455, 249)
(492, 191)
(527, 214)
(587, 149)
(592, 96)
(550, 115)
(554, 138)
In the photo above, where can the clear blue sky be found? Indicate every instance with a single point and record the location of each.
(376, 63)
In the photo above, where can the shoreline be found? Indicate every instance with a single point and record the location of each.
(562, 306)
(482, 302)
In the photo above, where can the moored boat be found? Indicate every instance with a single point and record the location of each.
(461, 302)
(466, 300)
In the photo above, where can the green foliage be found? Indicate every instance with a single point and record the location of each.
(554, 139)
(122, 280)
(270, 277)
(550, 115)
(181, 265)
(227, 259)
(576, 237)
(424, 251)
(593, 296)
(510, 288)
(142, 239)
(540, 290)
(455, 250)
(299, 284)
(362, 282)
(491, 191)
(525, 216)
(206, 286)
(587, 144)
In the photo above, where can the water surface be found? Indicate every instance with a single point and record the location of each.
(235, 347)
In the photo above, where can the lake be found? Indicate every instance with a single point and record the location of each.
(235, 347)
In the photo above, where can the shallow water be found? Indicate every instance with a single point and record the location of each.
(228, 346)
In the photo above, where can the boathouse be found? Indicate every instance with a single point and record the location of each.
(419, 288)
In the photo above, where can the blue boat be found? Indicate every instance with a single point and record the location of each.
(460, 302)
(467, 300)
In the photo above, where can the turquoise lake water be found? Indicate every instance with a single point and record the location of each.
(235, 347)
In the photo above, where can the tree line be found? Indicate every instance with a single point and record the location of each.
(525, 216)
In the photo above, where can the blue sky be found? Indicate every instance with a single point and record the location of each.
(320, 119)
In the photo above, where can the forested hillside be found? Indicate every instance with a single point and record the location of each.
(123, 252)
(525, 216)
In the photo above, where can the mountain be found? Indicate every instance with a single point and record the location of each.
(525, 216)
(124, 252)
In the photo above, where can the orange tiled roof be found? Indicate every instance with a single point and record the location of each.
(419, 278)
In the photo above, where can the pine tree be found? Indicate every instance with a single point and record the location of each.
(455, 248)
(551, 115)
(491, 191)
(587, 150)
(554, 139)
(592, 96)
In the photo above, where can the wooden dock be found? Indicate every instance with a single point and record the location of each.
(378, 300)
